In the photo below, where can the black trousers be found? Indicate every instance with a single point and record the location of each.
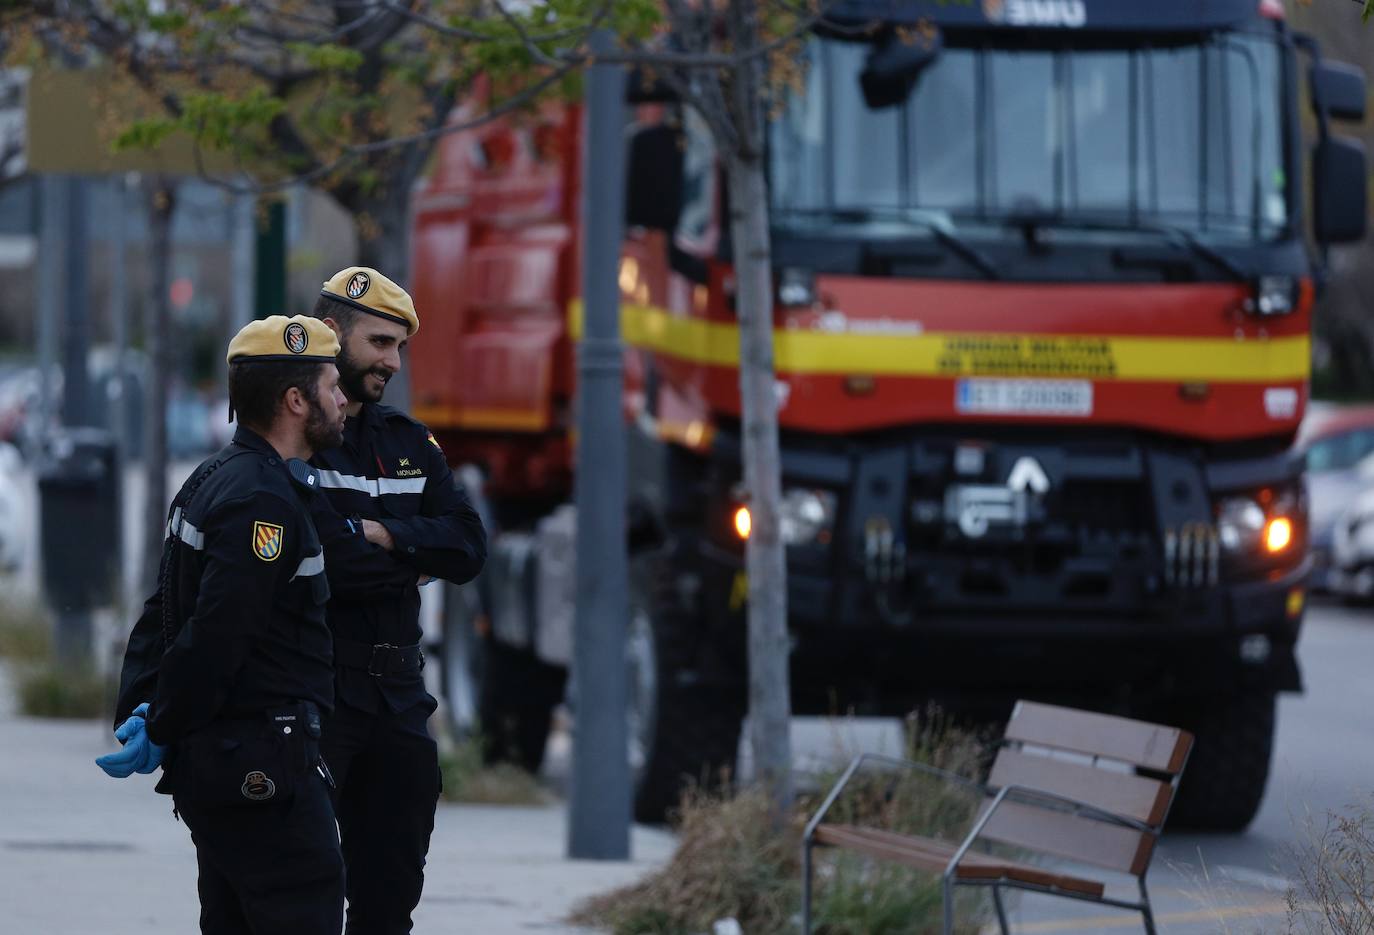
(270, 861)
(386, 767)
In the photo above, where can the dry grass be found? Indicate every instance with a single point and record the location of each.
(729, 863)
(41, 688)
(1334, 892)
(25, 631)
(46, 691)
(468, 780)
(732, 862)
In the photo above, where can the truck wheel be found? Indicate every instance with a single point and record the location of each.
(684, 722)
(460, 661)
(1224, 780)
(519, 692)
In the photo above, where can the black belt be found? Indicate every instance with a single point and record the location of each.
(379, 659)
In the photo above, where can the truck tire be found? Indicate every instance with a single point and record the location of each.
(519, 692)
(684, 722)
(460, 660)
(1223, 783)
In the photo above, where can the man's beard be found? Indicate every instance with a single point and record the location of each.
(321, 433)
(353, 379)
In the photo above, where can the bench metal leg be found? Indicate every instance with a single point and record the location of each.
(806, 888)
(1145, 910)
(949, 904)
(1001, 909)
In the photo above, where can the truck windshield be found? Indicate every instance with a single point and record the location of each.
(1185, 136)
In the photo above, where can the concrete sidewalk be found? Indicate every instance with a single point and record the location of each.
(83, 854)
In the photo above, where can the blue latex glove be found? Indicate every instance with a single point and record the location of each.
(140, 755)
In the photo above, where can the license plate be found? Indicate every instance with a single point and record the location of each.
(1024, 397)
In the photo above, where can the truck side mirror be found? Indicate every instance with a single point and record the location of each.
(1338, 90)
(1339, 186)
(654, 179)
(894, 64)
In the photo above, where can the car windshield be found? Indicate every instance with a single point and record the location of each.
(1341, 451)
(1185, 136)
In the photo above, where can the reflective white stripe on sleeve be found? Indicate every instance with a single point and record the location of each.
(373, 488)
(180, 527)
(308, 567)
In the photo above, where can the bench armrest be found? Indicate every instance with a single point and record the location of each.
(857, 763)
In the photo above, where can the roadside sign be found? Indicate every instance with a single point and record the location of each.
(75, 115)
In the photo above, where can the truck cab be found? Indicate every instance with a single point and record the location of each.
(1042, 342)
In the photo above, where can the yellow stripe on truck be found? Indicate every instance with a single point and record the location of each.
(955, 354)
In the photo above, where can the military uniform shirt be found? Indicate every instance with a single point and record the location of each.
(390, 469)
(249, 594)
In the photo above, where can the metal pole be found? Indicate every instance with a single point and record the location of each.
(241, 255)
(599, 803)
(49, 298)
(270, 258)
(121, 399)
(76, 409)
(74, 630)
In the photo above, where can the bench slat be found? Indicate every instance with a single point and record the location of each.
(934, 855)
(1072, 836)
(1140, 743)
(1138, 797)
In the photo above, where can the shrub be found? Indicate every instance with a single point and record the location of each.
(1335, 875)
(467, 779)
(46, 691)
(25, 631)
(732, 861)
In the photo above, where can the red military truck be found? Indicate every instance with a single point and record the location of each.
(1043, 318)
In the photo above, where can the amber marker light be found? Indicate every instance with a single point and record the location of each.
(1278, 534)
(743, 522)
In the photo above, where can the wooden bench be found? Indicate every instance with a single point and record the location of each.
(1091, 788)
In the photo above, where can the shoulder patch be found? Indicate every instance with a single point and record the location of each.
(432, 441)
(267, 540)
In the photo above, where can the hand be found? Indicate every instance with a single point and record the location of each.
(140, 755)
(377, 534)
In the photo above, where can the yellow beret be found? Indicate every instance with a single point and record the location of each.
(369, 291)
(282, 338)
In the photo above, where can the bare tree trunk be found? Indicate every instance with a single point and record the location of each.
(770, 697)
(770, 701)
(161, 192)
(384, 245)
(384, 232)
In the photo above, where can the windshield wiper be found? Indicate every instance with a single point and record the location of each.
(939, 232)
(1178, 236)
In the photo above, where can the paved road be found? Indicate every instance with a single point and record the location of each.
(1323, 760)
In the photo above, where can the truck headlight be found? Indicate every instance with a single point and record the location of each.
(806, 516)
(1240, 524)
(1274, 295)
(1244, 525)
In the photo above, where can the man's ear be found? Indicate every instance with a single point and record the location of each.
(338, 330)
(294, 402)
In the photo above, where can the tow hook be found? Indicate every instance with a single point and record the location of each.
(884, 554)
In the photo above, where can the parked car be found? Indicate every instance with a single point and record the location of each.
(1335, 440)
(12, 524)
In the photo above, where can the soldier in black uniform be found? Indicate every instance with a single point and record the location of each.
(229, 668)
(406, 521)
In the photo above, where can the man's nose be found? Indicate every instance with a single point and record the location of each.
(340, 399)
(392, 360)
